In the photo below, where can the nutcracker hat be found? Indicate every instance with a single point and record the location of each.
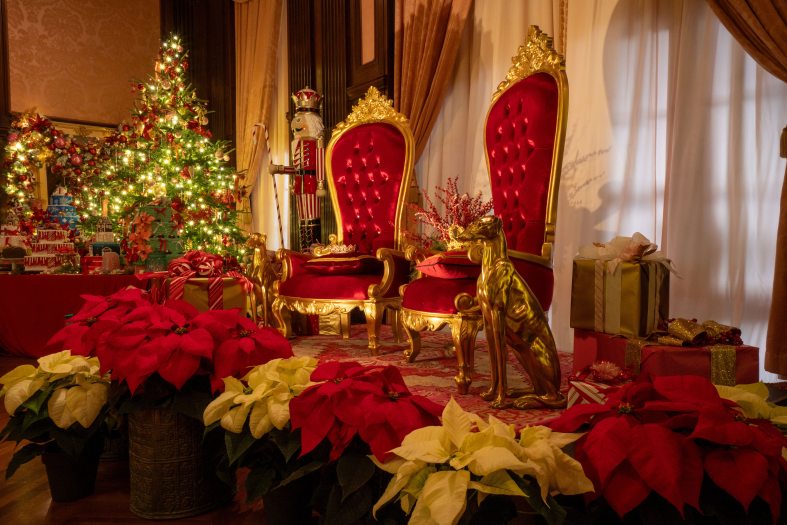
(307, 99)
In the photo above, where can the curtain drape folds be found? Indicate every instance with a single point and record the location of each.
(760, 27)
(427, 39)
(257, 27)
(776, 342)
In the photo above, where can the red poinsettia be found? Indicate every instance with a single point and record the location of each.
(243, 344)
(665, 436)
(371, 402)
(135, 338)
(97, 314)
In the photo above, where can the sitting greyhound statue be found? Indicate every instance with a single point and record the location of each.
(512, 314)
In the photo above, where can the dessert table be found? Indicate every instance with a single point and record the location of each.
(33, 307)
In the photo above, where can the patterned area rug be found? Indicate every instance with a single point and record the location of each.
(432, 374)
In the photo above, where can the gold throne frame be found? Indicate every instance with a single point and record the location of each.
(374, 108)
(536, 55)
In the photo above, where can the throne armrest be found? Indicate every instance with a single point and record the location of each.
(291, 262)
(542, 260)
(396, 269)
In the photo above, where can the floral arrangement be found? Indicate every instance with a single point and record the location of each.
(33, 140)
(437, 469)
(59, 404)
(136, 245)
(289, 421)
(460, 211)
(676, 440)
(137, 340)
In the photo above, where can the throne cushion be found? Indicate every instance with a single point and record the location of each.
(520, 142)
(344, 265)
(450, 265)
(311, 285)
(367, 166)
(435, 295)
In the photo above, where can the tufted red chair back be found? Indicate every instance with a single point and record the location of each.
(520, 145)
(369, 166)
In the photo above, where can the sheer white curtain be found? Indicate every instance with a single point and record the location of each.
(672, 131)
(263, 200)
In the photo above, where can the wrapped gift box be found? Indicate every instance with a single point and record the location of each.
(195, 292)
(631, 300)
(91, 264)
(722, 364)
(586, 392)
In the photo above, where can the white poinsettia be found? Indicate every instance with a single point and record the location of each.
(435, 466)
(78, 393)
(264, 399)
(753, 401)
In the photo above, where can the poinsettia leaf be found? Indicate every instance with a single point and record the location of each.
(348, 509)
(259, 482)
(237, 445)
(86, 401)
(288, 442)
(58, 409)
(576, 416)
(353, 472)
(718, 425)
(22, 456)
(657, 456)
(443, 498)
(302, 471)
(740, 472)
(550, 510)
(606, 445)
(38, 400)
(624, 489)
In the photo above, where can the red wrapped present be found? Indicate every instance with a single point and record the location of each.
(722, 364)
(595, 383)
(91, 264)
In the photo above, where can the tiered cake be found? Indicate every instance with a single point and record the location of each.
(61, 209)
(51, 248)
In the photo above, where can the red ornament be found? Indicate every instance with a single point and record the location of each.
(76, 160)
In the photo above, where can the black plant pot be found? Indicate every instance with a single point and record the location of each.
(71, 478)
(290, 504)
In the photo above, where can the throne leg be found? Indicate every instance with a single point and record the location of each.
(281, 315)
(344, 324)
(396, 324)
(414, 336)
(374, 317)
(463, 333)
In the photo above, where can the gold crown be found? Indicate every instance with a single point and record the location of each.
(307, 99)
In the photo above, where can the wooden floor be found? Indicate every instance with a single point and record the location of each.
(25, 499)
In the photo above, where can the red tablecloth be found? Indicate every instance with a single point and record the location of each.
(33, 307)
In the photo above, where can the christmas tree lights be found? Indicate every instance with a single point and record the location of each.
(166, 154)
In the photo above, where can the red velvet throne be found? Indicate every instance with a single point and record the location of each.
(369, 164)
(524, 136)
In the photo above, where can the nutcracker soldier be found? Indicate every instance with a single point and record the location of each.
(308, 164)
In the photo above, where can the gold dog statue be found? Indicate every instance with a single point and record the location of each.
(512, 314)
(260, 272)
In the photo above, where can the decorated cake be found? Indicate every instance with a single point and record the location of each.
(61, 209)
(51, 249)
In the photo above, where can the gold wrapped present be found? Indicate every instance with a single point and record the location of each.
(196, 293)
(630, 300)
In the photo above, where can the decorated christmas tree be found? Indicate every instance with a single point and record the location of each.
(167, 170)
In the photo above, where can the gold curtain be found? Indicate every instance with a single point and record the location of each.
(760, 27)
(427, 39)
(257, 26)
(776, 342)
